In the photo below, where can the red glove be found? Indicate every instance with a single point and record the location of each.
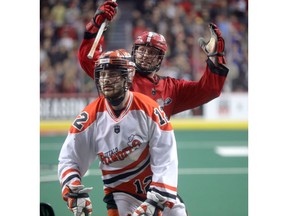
(105, 11)
(215, 46)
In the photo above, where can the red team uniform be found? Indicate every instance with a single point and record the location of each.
(173, 95)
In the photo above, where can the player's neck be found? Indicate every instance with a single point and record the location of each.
(123, 104)
(151, 75)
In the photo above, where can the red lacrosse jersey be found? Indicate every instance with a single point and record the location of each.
(173, 95)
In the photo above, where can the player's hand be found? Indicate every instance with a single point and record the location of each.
(105, 11)
(78, 200)
(215, 46)
(151, 205)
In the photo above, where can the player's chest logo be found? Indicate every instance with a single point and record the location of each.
(117, 129)
(115, 154)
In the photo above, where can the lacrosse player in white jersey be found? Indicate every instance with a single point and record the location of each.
(134, 142)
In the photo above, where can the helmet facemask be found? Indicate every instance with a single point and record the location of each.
(113, 76)
(156, 47)
(147, 58)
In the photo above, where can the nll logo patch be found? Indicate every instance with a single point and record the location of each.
(117, 129)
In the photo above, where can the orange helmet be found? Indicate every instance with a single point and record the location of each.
(117, 60)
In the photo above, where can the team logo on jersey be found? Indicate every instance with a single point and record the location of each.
(117, 129)
(134, 142)
(167, 101)
(163, 103)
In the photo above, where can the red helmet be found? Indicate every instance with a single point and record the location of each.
(150, 39)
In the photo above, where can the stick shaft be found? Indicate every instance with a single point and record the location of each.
(96, 41)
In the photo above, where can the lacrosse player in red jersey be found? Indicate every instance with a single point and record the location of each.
(133, 139)
(149, 48)
(148, 51)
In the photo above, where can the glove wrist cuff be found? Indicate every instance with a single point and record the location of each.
(92, 27)
(97, 19)
(77, 195)
(155, 204)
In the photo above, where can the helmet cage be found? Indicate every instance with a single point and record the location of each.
(152, 68)
(118, 60)
(150, 39)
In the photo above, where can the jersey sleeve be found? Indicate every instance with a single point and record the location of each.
(164, 160)
(191, 94)
(77, 153)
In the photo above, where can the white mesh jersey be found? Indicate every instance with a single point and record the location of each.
(137, 150)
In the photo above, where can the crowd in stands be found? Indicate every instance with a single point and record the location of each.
(182, 22)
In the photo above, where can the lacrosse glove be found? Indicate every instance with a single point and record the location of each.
(105, 11)
(215, 46)
(78, 200)
(151, 205)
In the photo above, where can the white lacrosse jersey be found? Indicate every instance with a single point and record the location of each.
(137, 150)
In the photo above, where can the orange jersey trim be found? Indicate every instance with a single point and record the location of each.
(158, 117)
(69, 171)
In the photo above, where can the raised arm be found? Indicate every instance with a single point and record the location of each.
(105, 11)
(191, 94)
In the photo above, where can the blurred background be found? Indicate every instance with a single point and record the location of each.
(182, 22)
(212, 139)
